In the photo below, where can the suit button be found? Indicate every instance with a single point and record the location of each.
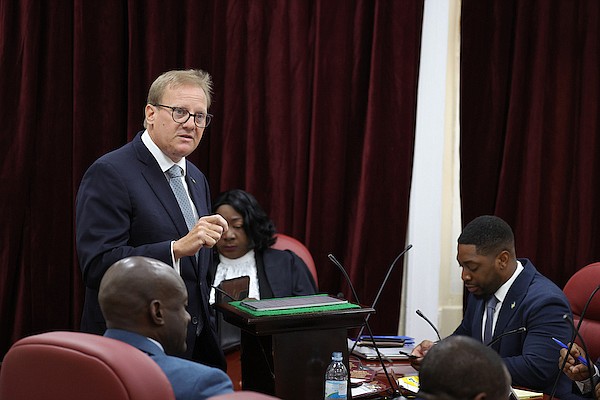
(195, 320)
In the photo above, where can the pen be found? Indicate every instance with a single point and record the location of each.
(410, 356)
(564, 346)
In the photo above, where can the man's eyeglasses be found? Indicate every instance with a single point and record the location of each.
(181, 116)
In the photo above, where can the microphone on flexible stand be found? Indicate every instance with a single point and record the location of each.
(576, 330)
(593, 377)
(500, 336)
(507, 333)
(393, 384)
(218, 289)
(390, 269)
(341, 268)
(587, 359)
(583, 345)
(420, 314)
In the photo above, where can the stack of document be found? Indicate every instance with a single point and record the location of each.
(386, 341)
(390, 347)
(410, 383)
(525, 394)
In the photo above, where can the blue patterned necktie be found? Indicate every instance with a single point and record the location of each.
(175, 174)
(490, 307)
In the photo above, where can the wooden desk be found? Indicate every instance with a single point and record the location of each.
(395, 369)
(302, 345)
(399, 368)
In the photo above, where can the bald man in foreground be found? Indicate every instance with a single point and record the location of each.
(143, 301)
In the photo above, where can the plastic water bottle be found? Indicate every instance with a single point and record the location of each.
(336, 378)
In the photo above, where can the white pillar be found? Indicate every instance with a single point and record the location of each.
(431, 275)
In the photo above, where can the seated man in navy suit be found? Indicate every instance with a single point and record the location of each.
(143, 301)
(507, 294)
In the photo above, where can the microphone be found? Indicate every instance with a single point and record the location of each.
(393, 384)
(341, 268)
(218, 289)
(511, 332)
(576, 334)
(389, 272)
(576, 330)
(594, 378)
(562, 365)
(573, 329)
(420, 314)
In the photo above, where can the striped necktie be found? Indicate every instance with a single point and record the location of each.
(175, 174)
(490, 308)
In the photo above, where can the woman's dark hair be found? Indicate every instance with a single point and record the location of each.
(258, 226)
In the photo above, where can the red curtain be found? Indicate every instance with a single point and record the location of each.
(530, 106)
(314, 113)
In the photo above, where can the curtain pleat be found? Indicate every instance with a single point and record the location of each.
(530, 101)
(314, 105)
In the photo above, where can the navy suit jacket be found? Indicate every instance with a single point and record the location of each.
(190, 380)
(125, 207)
(536, 303)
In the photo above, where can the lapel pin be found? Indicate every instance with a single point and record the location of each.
(513, 305)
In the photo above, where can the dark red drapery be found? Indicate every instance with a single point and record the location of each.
(314, 113)
(530, 106)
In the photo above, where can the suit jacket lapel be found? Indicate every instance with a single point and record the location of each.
(514, 298)
(157, 181)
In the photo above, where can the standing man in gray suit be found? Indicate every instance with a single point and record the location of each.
(146, 199)
(143, 301)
